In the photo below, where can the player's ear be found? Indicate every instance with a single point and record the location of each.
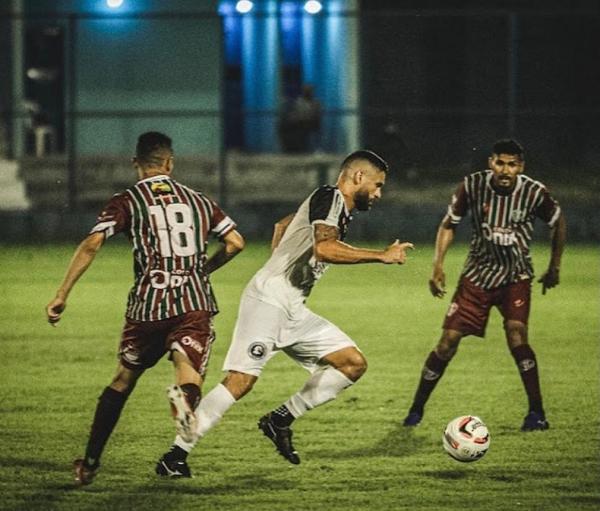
(358, 177)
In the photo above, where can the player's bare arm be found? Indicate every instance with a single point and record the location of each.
(558, 235)
(82, 259)
(444, 238)
(232, 244)
(279, 230)
(328, 248)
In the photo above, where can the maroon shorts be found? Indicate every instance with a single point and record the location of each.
(143, 343)
(470, 308)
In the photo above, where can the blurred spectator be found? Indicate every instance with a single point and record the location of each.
(38, 124)
(300, 122)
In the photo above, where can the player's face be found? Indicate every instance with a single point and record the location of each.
(506, 168)
(372, 181)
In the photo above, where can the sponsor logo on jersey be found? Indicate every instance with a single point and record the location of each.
(161, 188)
(257, 350)
(163, 279)
(498, 235)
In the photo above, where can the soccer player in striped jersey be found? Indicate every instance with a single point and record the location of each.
(273, 317)
(503, 203)
(171, 304)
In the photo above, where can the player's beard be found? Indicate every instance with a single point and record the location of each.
(361, 200)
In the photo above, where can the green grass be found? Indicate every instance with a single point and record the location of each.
(355, 454)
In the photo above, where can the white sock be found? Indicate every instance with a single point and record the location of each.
(322, 386)
(211, 409)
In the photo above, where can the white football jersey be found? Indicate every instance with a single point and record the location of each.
(289, 275)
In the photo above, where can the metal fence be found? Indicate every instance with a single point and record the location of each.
(435, 89)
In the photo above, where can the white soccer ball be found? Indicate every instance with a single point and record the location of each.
(466, 438)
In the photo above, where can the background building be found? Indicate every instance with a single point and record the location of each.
(428, 84)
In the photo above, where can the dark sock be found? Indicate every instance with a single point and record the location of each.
(432, 372)
(527, 364)
(108, 410)
(192, 394)
(282, 417)
(176, 453)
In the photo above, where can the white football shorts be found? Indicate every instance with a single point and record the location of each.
(262, 330)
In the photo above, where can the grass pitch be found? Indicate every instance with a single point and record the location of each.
(355, 453)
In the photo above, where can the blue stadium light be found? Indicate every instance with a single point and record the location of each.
(114, 4)
(313, 7)
(244, 6)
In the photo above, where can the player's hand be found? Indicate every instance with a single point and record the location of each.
(549, 279)
(54, 310)
(437, 283)
(396, 252)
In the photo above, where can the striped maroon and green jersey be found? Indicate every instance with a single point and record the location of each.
(169, 226)
(502, 226)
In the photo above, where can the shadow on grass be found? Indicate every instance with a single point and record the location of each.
(250, 483)
(50, 486)
(449, 475)
(399, 442)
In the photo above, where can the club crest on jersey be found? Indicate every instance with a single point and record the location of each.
(518, 215)
(257, 350)
(161, 188)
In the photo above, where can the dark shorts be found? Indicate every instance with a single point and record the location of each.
(143, 343)
(470, 308)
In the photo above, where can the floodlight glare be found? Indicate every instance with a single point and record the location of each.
(114, 4)
(244, 6)
(313, 7)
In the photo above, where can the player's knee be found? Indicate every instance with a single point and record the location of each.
(447, 346)
(516, 333)
(125, 379)
(355, 366)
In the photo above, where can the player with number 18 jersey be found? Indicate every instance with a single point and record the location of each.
(169, 226)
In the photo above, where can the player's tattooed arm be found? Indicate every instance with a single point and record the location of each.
(279, 230)
(323, 232)
(330, 249)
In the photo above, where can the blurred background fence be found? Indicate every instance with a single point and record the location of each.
(263, 105)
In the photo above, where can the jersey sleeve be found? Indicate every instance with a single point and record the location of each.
(548, 208)
(459, 206)
(325, 207)
(114, 218)
(220, 223)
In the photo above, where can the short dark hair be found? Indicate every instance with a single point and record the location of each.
(370, 156)
(153, 148)
(508, 146)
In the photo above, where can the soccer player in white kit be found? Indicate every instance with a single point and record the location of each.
(273, 316)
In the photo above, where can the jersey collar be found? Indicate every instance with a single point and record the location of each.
(518, 184)
(159, 177)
